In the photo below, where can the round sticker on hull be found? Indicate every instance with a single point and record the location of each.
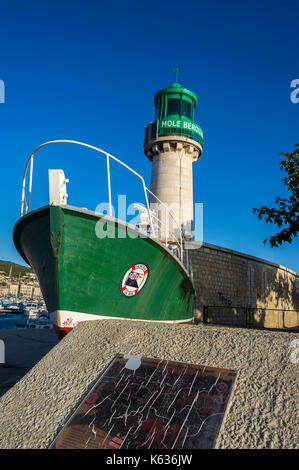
(134, 279)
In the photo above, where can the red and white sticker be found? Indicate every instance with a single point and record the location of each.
(134, 279)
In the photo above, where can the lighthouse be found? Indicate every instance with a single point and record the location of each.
(173, 142)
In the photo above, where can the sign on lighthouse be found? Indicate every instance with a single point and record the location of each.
(181, 124)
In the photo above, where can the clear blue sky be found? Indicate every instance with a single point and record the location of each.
(89, 70)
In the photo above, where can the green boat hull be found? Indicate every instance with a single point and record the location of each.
(89, 267)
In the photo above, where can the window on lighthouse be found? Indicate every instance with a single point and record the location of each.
(159, 111)
(186, 109)
(173, 106)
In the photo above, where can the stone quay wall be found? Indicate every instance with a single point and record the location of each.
(237, 289)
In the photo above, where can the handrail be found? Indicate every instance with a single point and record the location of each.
(83, 145)
(168, 212)
(162, 226)
(108, 156)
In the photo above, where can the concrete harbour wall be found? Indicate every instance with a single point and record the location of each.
(241, 290)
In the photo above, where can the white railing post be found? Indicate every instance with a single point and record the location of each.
(30, 182)
(23, 195)
(166, 237)
(148, 209)
(109, 184)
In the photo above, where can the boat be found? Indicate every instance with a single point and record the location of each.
(39, 323)
(127, 274)
(15, 307)
(31, 310)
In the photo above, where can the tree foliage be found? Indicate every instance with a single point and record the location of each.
(286, 212)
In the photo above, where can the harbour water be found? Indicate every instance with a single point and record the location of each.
(18, 313)
(9, 321)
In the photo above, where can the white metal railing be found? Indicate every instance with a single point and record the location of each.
(161, 226)
(164, 235)
(152, 218)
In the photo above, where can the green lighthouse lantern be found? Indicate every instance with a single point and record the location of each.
(174, 115)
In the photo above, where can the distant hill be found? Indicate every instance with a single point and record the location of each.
(16, 268)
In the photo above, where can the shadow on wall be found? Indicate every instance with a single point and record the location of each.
(275, 319)
(281, 299)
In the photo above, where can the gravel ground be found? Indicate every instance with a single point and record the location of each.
(263, 410)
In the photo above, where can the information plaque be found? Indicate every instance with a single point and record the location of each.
(147, 403)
